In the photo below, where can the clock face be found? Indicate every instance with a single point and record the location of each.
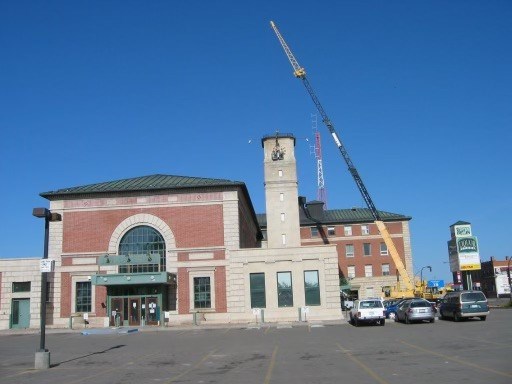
(278, 152)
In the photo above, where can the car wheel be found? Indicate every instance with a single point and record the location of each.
(407, 321)
(356, 322)
(483, 318)
(432, 320)
(383, 322)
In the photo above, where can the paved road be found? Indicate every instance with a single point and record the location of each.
(467, 352)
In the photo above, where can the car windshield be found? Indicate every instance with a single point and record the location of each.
(371, 304)
(420, 304)
(472, 297)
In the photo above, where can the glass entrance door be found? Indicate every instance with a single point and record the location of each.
(116, 312)
(152, 311)
(134, 311)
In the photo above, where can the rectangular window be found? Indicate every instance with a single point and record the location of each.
(264, 234)
(369, 291)
(367, 249)
(284, 289)
(281, 197)
(23, 286)
(282, 217)
(83, 296)
(331, 231)
(312, 287)
(383, 249)
(368, 270)
(314, 232)
(202, 292)
(347, 229)
(257, 281)
(283, 239)
(349, 250)
(280, 173)
(365, 229)
(351, 271)
(385, 269)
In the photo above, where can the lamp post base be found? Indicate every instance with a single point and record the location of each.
(42, 360)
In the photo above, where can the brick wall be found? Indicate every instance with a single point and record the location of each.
(183, 291)
(192, 226)
(65, 294)
(220, 290)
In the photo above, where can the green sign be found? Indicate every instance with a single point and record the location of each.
(467, 245)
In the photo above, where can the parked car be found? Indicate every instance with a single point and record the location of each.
(367, 311)
(391, 306)
(464, 304)
(415, 310)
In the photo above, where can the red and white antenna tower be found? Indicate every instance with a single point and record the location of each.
(321, 194)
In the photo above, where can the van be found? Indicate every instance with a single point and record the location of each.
(464, 304)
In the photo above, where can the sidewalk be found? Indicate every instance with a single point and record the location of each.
(181, 327)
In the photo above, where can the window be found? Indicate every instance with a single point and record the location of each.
(368, 270)
(331, 231)
(367, 249)
(83, 296)
(202, 292)
(347, 229)
(385, 269)
(351, 271)
(365, 229)
(280, 172)
(349, 250)
(282, 217)
(383, 249)
(284, 289)
(283, 239)
(312, 288)
(264, 234)
(257, 281)
(369, 291)
(143, 240)
(314, 232)
(23, 286)
(281, 197)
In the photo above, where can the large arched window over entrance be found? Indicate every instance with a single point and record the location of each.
(143, 240)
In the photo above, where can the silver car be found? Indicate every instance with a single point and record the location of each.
(415, 310)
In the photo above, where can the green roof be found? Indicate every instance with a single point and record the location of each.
(144, 183)
(340, 216)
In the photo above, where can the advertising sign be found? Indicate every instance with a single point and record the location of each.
(467, 249)
(462, 230)
(435, 284)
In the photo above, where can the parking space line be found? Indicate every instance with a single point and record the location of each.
(266, 330)
(192, 367)
(365, 368)
(268, 376)
(462, 362)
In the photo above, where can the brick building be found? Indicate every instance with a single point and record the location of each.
(163, 249)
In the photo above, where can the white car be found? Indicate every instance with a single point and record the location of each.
(368, 311)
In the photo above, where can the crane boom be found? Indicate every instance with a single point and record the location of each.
(300, 73)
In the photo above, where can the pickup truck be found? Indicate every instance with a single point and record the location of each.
(367, 311)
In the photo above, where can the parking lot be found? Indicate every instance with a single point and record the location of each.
(472, 351)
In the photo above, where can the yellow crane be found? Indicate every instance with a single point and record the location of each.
(300, 73)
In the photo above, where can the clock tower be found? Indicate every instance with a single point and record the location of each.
(281, 191)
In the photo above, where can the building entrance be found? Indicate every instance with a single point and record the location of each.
(134, 311)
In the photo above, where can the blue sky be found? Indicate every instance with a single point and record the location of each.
(419, 91)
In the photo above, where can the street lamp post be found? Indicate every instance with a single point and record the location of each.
(421, 274)
(42, 359)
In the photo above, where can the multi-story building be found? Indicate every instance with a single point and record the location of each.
(364, 263)
(162, 249)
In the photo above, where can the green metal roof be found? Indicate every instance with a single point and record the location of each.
(144, 183)
(341, 216)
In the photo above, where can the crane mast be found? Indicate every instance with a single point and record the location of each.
(300, 73)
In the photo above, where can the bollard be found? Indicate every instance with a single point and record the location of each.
(300, 314)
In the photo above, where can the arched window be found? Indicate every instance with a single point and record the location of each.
(143, 240)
